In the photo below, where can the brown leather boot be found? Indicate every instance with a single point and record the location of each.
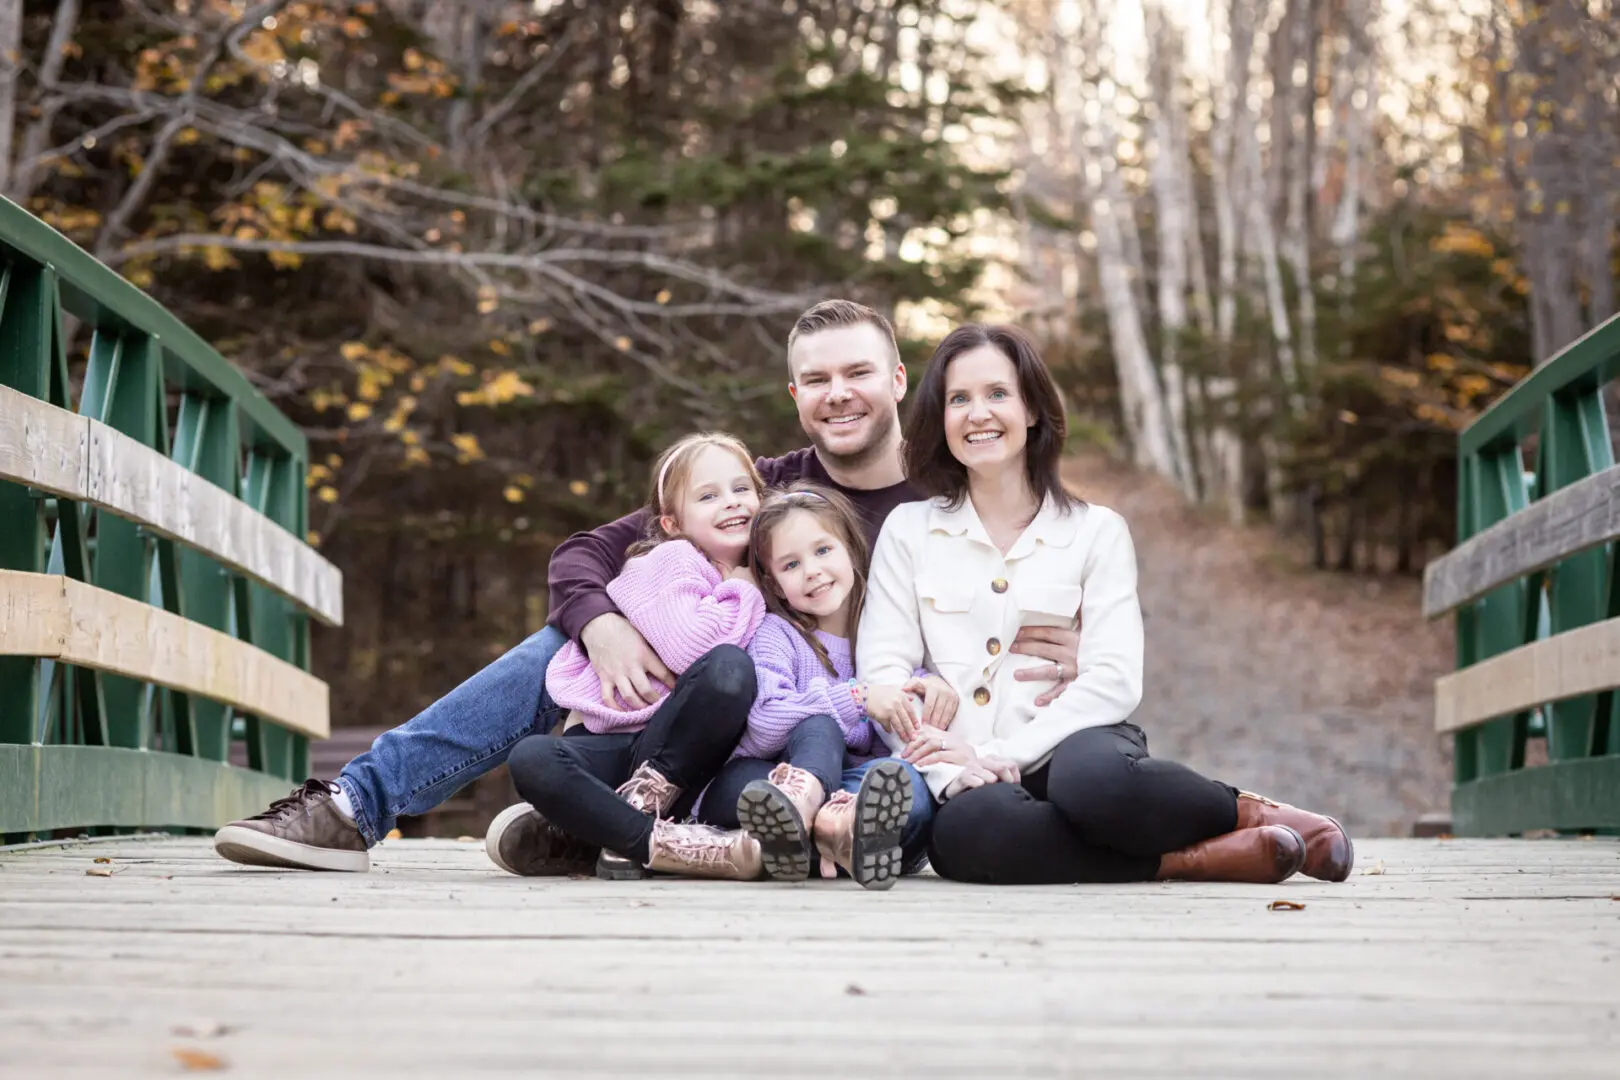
(1262, 856)
(780, 812)
(703, 851)
(1329, 854)
(651, 792)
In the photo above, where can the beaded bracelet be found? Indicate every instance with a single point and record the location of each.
(858, 692)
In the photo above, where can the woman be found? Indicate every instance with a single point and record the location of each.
(1042, 793)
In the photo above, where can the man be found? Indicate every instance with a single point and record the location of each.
(847, 381)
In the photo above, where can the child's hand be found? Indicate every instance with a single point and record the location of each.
(939, 701)
(890, 707)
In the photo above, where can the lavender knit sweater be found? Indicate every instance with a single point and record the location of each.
(794, 685)
(682, 606)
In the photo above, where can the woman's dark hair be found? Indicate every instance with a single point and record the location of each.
(929, 464)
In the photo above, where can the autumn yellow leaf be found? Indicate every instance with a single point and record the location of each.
(352, 350)
(579, 487)
(663, 296)
(410, 437)
(359, 410)
(467, 446)
(217, 258)
(327, 494)
(621, 343)
(455, 365)
(416, 456)
(318, 474)
(513, 493)
(334, 461)
(312, 538)
(487, 299)
(499, 347)
(539, 326)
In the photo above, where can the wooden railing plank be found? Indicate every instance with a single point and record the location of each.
(85, 460)
(48, 615)
(1570, 520)
(1584, 660)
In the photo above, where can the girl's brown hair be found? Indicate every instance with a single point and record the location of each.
(838, 515)
(669, 475)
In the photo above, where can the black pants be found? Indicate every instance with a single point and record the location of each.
(572, 778)
(1099, 810)
(816, 745)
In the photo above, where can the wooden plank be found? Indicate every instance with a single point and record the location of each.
(43, 447)
(99, 629)
(1460, 958)
(85, 460)
(1570, 520)
(73, 787)
(1580, 794)
(1584, 660)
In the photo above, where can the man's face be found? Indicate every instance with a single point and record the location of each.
(847, 384)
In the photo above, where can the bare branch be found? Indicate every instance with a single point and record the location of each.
(50, 69)
(497, 113)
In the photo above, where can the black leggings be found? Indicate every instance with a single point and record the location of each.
(572, 778)
(1099, 810)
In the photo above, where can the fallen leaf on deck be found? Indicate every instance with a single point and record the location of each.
(1285, 905)
(1375, 868)
(101, 859)
(100, 871)
(854, 991)
(197, 1060)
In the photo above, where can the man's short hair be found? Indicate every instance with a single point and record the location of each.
(831, 314)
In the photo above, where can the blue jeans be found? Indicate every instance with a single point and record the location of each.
(471, 730)
(719, 806)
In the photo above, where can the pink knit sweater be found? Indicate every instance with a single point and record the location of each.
(679, 602)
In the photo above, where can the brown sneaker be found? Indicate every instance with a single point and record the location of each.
(304, 831)
(1262, 856)
(1329, 854)
(703, 851)
(779, 813)
(521, 841)
(861, 832)
(649, 791)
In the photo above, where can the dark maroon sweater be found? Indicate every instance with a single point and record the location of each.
(583, 564)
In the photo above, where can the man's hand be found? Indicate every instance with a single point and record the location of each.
(890, 708)
(938, 699)
(931, 746)
(1060, 646)
(973, 776)
(624, 662)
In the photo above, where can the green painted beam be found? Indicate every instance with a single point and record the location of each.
(1565, 795)
(73, 787)
(100, 297)
(1585, 363)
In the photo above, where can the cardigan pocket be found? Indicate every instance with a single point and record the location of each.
(1049, 605)
(943, 610)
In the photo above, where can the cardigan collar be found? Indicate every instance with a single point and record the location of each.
(1051, 526)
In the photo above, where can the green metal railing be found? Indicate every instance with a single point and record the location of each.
(1563, 544)
(82, 748)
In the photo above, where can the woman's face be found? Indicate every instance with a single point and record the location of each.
(986, 421)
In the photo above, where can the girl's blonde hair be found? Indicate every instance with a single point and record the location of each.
(669, 475)
(840, 518)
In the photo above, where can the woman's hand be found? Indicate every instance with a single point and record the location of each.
(1004, 770)
(931, 746)
(972, 776)
(891, 708)
(939, 701)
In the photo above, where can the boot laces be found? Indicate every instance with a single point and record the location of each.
(648, 791)
(792, 782)
(698, 845)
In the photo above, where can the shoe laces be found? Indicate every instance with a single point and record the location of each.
(313, 790)
(697, 845)
(649, 791)
(792, 782)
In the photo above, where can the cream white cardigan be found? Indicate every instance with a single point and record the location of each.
(942, 595)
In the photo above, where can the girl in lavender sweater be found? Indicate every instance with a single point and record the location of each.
(809, 553)
(613, 781)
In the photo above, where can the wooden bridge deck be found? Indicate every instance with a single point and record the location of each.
(1459, 958)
